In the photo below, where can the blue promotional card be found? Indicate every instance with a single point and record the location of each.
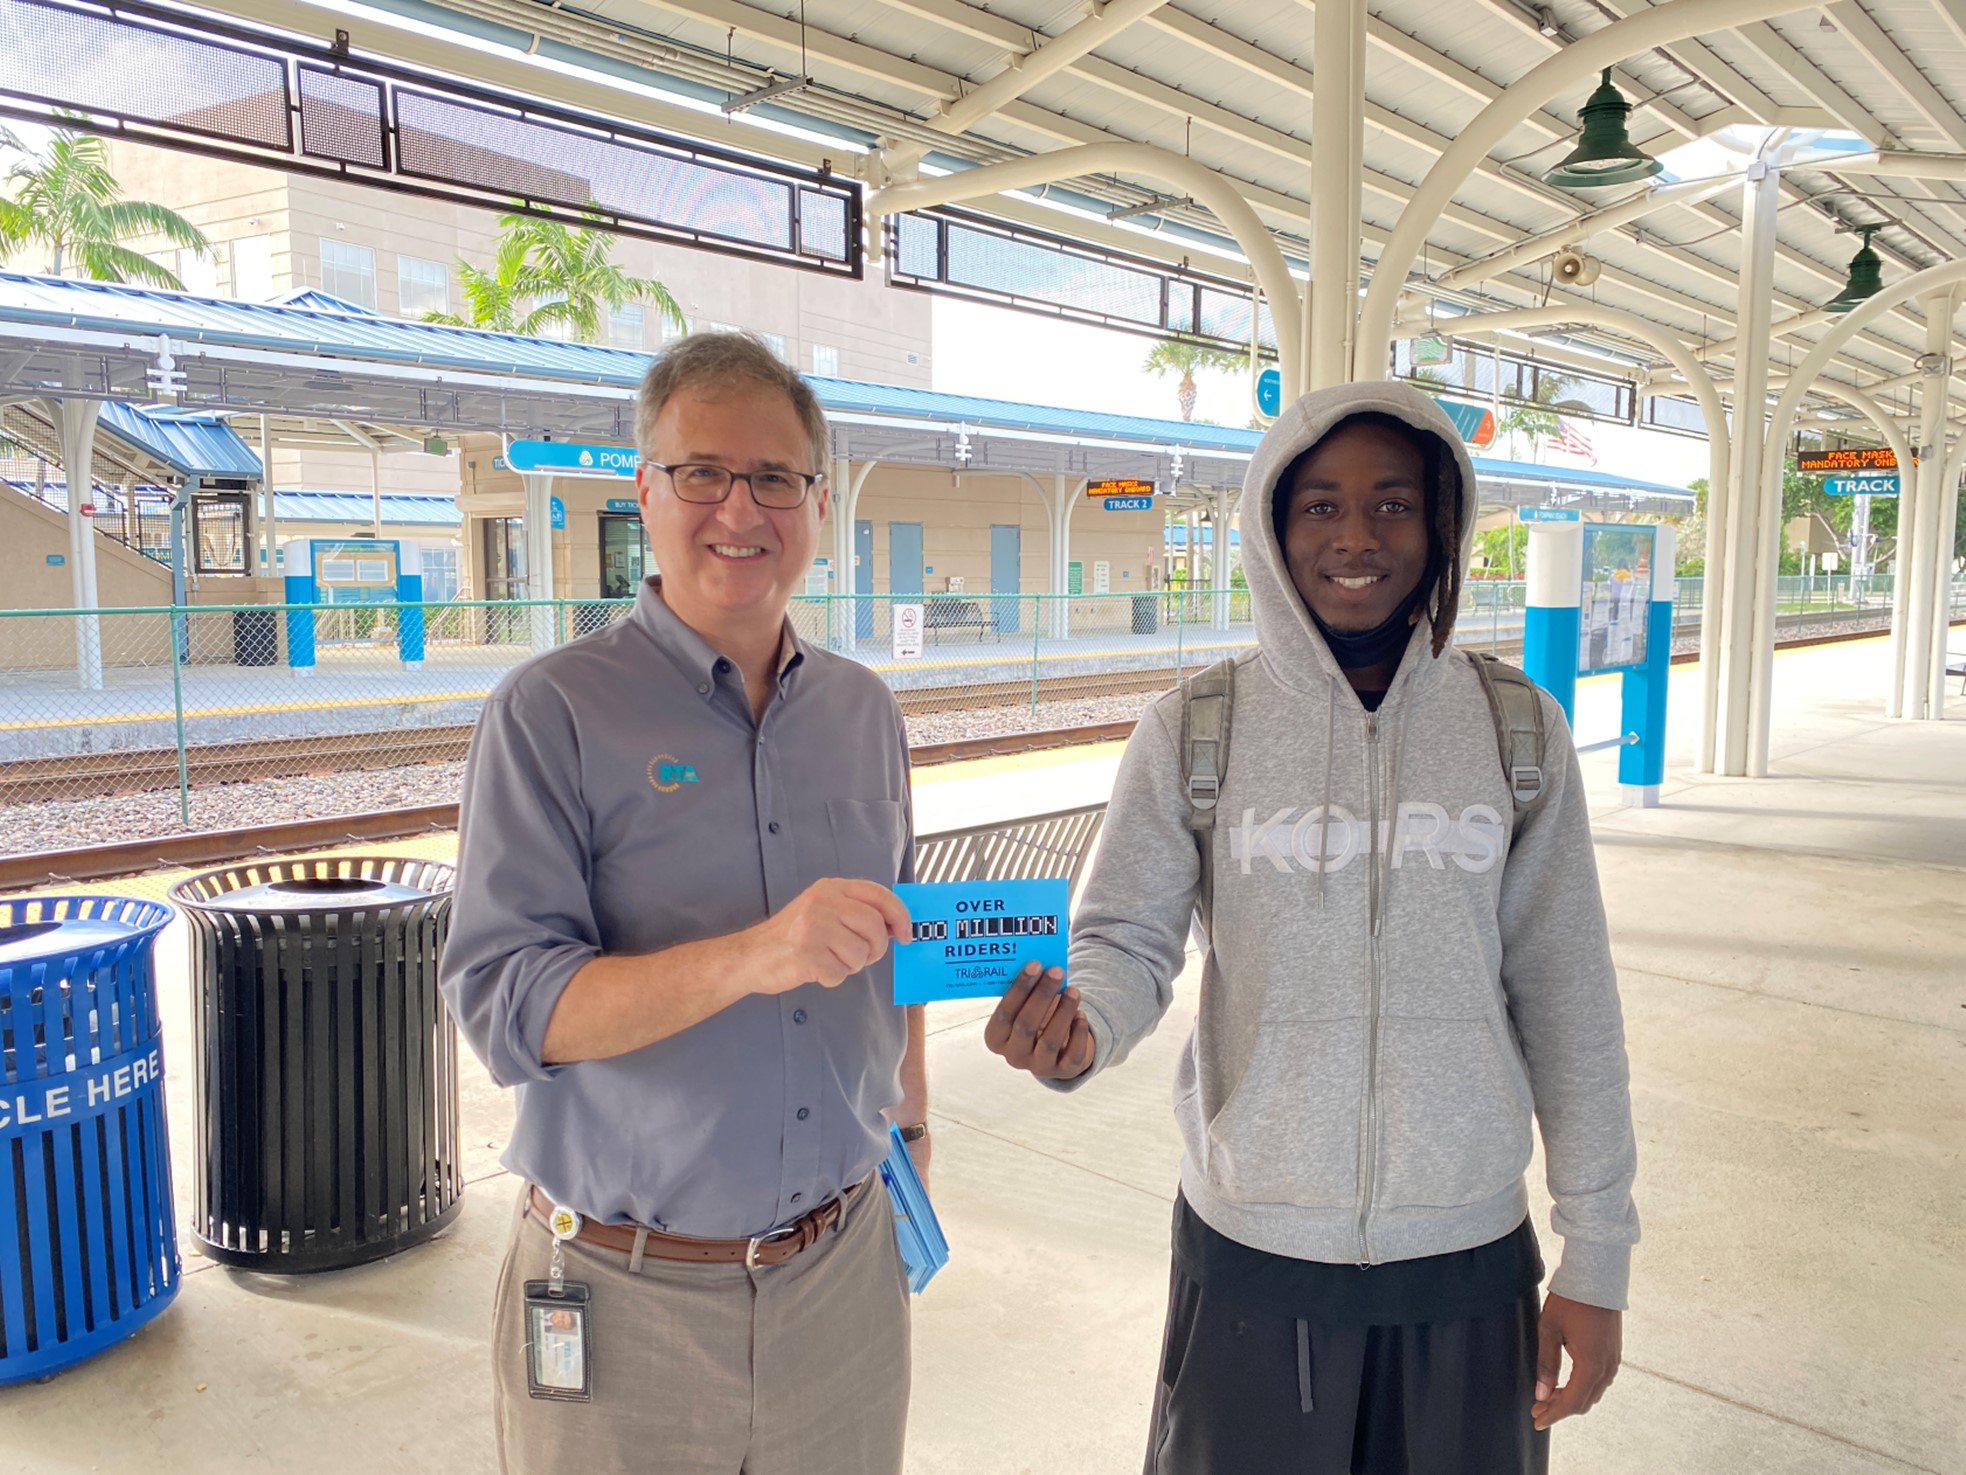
(972, 937)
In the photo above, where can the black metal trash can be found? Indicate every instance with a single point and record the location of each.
(326, 1061)
(255, 637)
(1146, 614)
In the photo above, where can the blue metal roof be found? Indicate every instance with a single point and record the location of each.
(356, 334)
(190, 443)
(319, 301)
(1570, 477)
(402, 509)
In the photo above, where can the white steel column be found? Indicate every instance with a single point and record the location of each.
(539, 556)
(1337, 155)
(1919, 563)
(1752, 521)
(270, 524)
(1059, 504)
(75, 423)
(1221, 515)
(1948, 524)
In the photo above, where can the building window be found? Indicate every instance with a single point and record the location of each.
(672, 330)
(558, 328)
(252, 268)
(348, 272)
(725, 328)
(825, 360)
(198, 270)
(625, 327)
(775, 342)
(421, 287)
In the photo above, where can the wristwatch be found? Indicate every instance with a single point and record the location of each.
(915, 1133)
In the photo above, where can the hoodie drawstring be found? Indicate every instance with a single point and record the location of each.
(1305, 1403)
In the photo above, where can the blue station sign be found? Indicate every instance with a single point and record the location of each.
(1128, 504)
(1883, 484)
(1550, 514)
(571, 458)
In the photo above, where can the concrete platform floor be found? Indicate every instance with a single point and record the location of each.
(1793, 957)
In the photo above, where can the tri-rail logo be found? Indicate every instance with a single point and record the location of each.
(668, 773)
(1318, 839)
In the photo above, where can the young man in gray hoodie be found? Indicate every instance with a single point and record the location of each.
(1400, 970)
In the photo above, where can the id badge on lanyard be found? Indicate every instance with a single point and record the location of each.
(558, 1340)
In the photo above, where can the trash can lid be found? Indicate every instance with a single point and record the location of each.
(317, 894)
(30, 942)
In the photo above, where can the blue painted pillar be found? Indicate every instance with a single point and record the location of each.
(1642, 761)
(409, 605)
(297, 558)
(1554, 576)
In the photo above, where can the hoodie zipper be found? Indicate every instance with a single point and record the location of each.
(1368, 1108)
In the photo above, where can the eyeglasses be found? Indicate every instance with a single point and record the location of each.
(707, 485)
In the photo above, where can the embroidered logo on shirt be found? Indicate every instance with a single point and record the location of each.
(668, 773)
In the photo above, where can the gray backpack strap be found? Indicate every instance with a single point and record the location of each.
(1207, 704)
(1517, 707)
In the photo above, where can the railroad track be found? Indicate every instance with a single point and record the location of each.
(138, 770)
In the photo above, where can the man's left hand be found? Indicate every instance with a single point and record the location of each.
(1594, 1338)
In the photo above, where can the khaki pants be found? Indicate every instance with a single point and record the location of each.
(793, 1369)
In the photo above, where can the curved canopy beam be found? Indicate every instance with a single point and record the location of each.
(1206, 187)
(1918, 284)
(1660, 25)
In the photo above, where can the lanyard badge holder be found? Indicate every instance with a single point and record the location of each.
(557, 1342)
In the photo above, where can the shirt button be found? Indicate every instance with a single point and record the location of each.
(797, 1197)
(773, 827)
(804, 1112)
(723, 667)
(798, 1016)
(703, 688)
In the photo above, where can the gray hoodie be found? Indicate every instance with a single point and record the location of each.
(1375, 1031)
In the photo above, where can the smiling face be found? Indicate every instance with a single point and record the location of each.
(729, 569)
(1355, 528)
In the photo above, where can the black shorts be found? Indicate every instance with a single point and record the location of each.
(1247, 1392)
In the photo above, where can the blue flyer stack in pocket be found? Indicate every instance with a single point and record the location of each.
(916, 1229)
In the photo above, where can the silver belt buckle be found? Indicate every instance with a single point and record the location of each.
(751, 1249)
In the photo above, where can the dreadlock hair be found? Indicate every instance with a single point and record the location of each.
(1440, 479)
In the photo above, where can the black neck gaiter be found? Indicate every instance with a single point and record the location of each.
(1357, 649)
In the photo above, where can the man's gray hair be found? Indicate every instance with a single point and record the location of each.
(721, 361)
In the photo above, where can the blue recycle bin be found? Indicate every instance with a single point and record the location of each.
(88, 1237)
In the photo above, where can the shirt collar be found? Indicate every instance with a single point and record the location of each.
(701, 662)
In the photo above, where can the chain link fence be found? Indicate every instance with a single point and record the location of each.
(124, 724)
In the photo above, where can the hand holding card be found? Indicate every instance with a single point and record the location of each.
(1040, 1028)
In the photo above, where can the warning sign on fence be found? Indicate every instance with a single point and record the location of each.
(907, 631)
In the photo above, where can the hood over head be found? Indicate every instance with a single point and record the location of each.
(1283, 623)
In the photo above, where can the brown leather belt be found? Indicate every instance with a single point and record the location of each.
(774, 1248)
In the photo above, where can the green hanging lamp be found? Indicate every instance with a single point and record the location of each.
(1605, 153)
(1866, 277)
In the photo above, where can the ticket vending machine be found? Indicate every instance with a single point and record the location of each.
(1600, 599)
(352, 571)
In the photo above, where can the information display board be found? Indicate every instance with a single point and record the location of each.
(356, 570)
(1849, 458)
(1617, 598)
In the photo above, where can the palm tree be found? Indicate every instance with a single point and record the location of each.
(545, 275)
(66, 200)
(1538, 417)
(1183, 356)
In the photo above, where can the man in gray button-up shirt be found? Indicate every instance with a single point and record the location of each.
(670, 938)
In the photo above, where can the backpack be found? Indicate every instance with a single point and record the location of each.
(1208, 701)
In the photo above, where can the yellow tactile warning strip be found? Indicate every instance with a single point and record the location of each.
(940, 773)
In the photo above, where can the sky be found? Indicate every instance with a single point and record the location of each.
(1002, 353)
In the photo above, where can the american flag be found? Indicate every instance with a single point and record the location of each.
(1570, 439)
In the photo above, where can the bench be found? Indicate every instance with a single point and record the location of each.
(1055, 844)
(940, 614)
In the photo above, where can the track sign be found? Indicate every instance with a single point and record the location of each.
(1119, 486)
(1861, 486)
(1128, 504)
(907, 620)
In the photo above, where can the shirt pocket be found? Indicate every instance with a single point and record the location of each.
(868, 838)
(1287, 1132)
